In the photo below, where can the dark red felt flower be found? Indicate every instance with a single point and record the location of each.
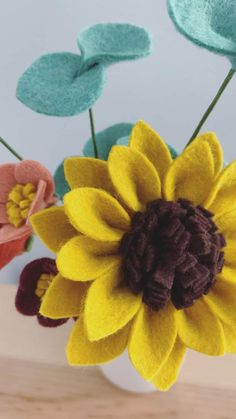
(32, 287)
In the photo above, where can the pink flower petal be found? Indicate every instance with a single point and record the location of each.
(29, 171)
(10, 250)
(7, 180)
(10, 233)
(38, 202)
(3, 214)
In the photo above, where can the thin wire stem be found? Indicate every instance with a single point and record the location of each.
(93, 133)
(213, 104)
(9, 148)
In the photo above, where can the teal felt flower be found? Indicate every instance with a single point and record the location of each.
(208, 23)
(66, 84)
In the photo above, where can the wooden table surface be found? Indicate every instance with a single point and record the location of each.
(31, 390)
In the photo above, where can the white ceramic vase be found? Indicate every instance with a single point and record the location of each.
(122, 374)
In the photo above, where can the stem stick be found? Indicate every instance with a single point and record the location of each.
(93, 133)
(213, 104)
(9, 148)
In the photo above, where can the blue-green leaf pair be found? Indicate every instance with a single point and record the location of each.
(208, 23)
(66, 84)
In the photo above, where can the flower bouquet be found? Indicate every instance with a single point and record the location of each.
(143, 235)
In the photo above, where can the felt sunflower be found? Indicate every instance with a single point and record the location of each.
(147, 246)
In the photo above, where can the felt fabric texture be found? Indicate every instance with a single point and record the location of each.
(149, 143)
(152, 339)
(63, 299)
(12, 249)
(230, 339)
(200, 330)
(168, 373)
(109, 43)
(17, 181)
(106, 139)
(96, 208)
(84, 172)
(222, 300)
(125, 141)
(26, 301)
(226, 223)
(61, 185)
(80, 351)
(134, 177)
(156, 339)
(53, 227)
(84, 259)
(192, 174)
(220, 199)
(54, 85)
(207, 23)
(108, 306)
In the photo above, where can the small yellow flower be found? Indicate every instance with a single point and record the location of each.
(148, 249)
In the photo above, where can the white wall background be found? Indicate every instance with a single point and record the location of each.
(169, 90)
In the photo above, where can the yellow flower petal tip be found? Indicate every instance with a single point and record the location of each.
(100, 216)
(109, 306)
(149, 143)
(84, 259)
(200, 330)
(152, 339)
(169, 372)
(53, 227)
(84, 172)
(192, 174)
(80, 351)
(63, 299)
(134, 177)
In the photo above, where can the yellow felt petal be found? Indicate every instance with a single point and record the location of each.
(228, 274)
(109, 305)
(216, 150)
(96, 214)
(82, 352)
(168, 373)
(191, 175)
(230, 253)
(63, 299)
(148, 142)
(83, 172)
(84, 259)
(200, 330)
(230, 338)
(134, 177)
(227, 224)
(222, 200)
(152, 339)
(222, 300)
(53, 227)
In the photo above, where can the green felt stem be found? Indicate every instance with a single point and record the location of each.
(93, 133)
(213, 104)
(9, 148)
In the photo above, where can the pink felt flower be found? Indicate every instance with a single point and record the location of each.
(25, 188)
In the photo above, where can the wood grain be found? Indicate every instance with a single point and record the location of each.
(30, 390)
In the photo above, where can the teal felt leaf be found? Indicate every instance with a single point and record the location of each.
(61, 184)
(106, 139)
(208, 23)
(125, 141)
(54, 85)
(109, 43)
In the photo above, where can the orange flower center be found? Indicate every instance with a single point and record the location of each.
(43, 283)
(19, 202)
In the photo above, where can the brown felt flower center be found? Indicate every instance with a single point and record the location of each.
(19, 202)
(173, 251)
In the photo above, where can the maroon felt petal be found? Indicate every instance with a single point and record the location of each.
(27, 303)
(46, 322)
(26, 300)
